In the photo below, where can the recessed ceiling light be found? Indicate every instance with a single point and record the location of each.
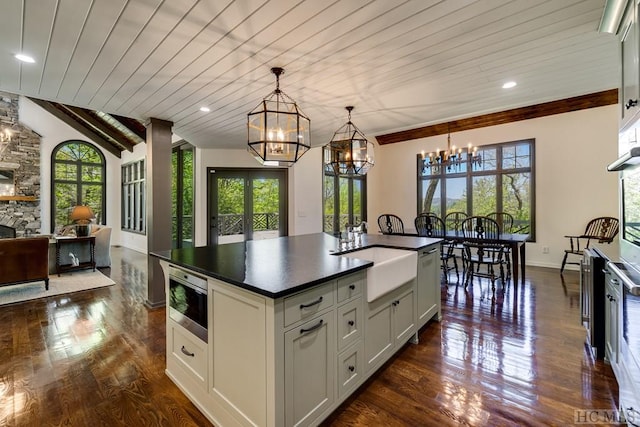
(205, 109)
(509, 85)
(25, 58)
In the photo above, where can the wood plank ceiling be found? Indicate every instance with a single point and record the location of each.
(402, 63)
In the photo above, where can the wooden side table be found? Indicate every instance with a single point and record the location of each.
(61, 241)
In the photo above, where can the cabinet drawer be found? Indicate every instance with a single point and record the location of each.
(350, 286)
(350, 369)
(305, 305)
(190, 352)
(349, 323)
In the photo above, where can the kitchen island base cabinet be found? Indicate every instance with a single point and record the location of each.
(238, 333)
(309, 370)
(288, 361)
(390, 323)
(428, 287)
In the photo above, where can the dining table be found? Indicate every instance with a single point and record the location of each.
(515, 242)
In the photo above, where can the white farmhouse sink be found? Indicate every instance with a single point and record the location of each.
(391, 269)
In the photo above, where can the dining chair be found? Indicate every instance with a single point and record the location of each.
(481, 248)
(430, 225)
(602, 230)
(453, 220)
(504, 220)
(505, 223)
(480, 227)
(483, 252)
(390, 224)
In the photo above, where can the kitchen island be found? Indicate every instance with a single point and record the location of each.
(291, 330)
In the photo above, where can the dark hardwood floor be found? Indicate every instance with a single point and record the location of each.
(98, 357)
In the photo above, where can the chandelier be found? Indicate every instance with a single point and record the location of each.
(452, 158)
(278, 131)
(349, 152)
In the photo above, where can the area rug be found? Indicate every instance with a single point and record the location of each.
(66, 283)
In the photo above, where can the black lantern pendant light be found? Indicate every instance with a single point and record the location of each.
(349, 152)
(278, 130)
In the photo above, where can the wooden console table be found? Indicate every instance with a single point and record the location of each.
(60, 241)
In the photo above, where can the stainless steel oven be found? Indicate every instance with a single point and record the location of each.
(188, 301)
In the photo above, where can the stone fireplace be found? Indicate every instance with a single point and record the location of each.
(20, 159)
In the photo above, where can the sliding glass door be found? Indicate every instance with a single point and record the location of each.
(246, 204)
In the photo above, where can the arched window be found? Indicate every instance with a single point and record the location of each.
(77, 178)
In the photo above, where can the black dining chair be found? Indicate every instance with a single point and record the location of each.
(453, 220)
(505, 223)
(504, 220)
(430, 225)
(390, 224)
(483, 252)
(480, 227)
(481, 248)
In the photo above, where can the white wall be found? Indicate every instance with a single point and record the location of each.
(53, 132)
(572, 184)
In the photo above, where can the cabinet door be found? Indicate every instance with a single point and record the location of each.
(350, 369)
(379, 336)
(309, 370)
(612, 318)
(188, 351)
(404, 317)
(428, 284)
(349, 323)
(629, 91)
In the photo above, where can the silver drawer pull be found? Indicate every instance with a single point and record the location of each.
(311, 304)
(186, 352)
(313, 328)
(432, 250)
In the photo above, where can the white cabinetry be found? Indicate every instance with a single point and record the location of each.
(309, 370)
(390, 321)
(291, 361)
(630, 82)
(309, 354)
(612, 318)
(350, 315)
(188, 353)
(238, 352)
(428, 284)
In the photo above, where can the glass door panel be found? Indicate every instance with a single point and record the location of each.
(230, 203)
(246, 204)
(266, 208)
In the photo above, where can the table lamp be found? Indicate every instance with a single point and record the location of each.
(81, 216)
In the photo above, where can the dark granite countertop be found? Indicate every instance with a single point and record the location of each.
(283, 266)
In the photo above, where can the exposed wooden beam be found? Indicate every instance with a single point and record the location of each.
(51, 108)
(598, 99)
(133, 125)
(85, 115)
